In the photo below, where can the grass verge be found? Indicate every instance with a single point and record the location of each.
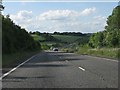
(113, 53)
(11, 60)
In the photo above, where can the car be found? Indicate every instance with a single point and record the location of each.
(55, 49)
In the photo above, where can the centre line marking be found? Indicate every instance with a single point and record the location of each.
(81, 68)
(66, 60)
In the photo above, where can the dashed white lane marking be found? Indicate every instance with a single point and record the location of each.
(4, 75)
(59, 62)
(81, 68)
(66, 60)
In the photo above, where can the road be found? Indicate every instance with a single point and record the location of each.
(64, 70)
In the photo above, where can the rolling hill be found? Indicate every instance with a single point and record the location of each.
(67, 38)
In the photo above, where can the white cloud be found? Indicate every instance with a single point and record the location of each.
(22, 16)
(64, 14)
(99, 18)
(58, 15)
(88, 11)
(60, 20)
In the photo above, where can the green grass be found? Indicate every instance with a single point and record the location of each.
(37, 38)
(13, 59)
(113, 53)
(48, 42)
(66, 38)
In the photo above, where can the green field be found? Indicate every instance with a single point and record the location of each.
(38, 38)
(66, 38)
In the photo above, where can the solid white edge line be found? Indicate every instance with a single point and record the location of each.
(111, 60)
(4, 75)
(81, 68)
(104, 58)
(60, 1)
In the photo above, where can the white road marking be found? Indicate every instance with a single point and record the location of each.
(66, 60)
(4, 75)
(104, 58)
(111, 60)
(81, 68)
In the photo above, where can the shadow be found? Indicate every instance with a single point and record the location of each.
(35, 65)
(74, 59)
(46, 57)
(63, 56)
(20, 79)
(52, 57)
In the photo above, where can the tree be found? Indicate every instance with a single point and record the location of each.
(15, 38)
(113, 28)
(110, 37)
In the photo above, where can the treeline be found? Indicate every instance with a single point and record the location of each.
(46, 36)
(70, 33)
(61, 33)
(15, 38)
(110, 37)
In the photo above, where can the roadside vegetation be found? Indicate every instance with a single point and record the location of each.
(107, 42)
(16, 42)
(13, 59)
(102, 52)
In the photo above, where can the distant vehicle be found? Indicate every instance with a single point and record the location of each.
(55, 49)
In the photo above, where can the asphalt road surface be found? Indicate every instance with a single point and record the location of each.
(64, 70)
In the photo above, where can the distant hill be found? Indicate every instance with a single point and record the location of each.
(37, 37)
(63, 38)
(67, 38)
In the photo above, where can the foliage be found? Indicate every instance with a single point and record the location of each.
(38, 37)
(110, 37)
(103, 52)
(45, 46)
(15, 38)
(70, 33)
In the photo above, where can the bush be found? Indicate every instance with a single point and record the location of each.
(104, 52)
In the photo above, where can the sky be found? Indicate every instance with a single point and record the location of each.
(85, 17)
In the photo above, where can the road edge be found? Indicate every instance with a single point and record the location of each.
(10, 71)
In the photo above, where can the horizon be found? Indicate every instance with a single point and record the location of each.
(57, 32)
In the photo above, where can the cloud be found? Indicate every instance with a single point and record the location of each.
(60, 20)
(64, 14)
(22, 16)
(88, 11)
(58, 15)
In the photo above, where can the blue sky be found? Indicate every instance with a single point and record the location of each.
(83, 17)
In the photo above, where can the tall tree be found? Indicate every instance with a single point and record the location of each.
(15, 38)
(111, 36)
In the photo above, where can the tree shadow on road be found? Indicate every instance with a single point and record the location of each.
(20, 79)
(37, 65)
